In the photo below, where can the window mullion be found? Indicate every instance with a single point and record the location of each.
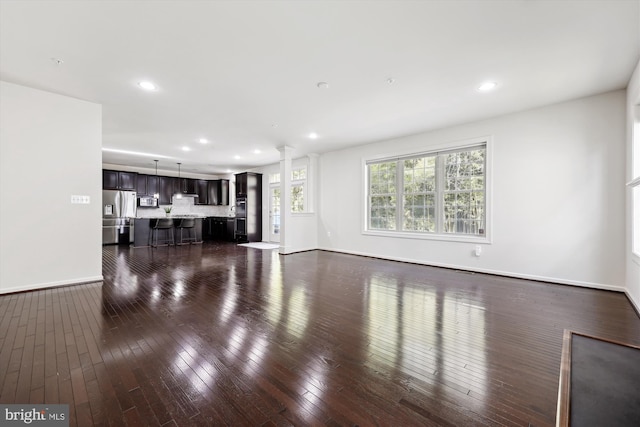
(399, 194)
(439, 199)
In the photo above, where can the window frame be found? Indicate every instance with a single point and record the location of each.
(634, 184)
(487, 238)
(300, 182)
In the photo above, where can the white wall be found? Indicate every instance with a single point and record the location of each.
(633, 264)
(558, 196)
(50, 149)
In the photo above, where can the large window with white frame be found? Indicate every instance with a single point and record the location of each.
(438, 194)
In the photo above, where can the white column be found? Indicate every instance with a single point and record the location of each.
(285, 198)
(312, 183)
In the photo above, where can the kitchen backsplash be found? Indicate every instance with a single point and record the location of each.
(185, 206)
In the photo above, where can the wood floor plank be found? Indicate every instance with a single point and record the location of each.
(217, 334)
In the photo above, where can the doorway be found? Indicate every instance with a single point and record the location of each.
(274, 213)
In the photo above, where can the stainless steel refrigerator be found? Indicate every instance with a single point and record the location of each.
(118, 213)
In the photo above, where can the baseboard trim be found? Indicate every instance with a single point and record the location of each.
(488, 271)
(57, 284)
(635, 306)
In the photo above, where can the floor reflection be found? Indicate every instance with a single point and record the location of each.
(330, 338)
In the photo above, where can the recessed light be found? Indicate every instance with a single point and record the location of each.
(256, 151)
(146, 85)
(186, 149)
(391, 80)
(237, 157)
(323, 85)
(202, 141)
(313, 135)
(487, 86)
(57, 61)
(228, 170)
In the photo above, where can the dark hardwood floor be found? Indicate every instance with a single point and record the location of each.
(217, 334)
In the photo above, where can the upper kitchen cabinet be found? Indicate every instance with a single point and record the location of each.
(147, 185)
(186, 186)
(152, 185)
(118, 180)
(168, 186)
(224, 192)
(247, 183)
(218, 192)
(241, 184)
(213, 192)
(202, 190)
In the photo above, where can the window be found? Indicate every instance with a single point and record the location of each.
(298, 184)
(635, 184)
(428, 194)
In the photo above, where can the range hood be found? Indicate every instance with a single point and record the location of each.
(184, 196)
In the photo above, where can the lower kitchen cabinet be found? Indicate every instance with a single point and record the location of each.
(218, 228)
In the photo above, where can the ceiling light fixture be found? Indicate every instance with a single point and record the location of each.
(237, 157)
(391, 80)
(323, 85)
(313, 135)
(487, 86)
(256, 151)
(134, 153)
(185, 148)
(57, 61)
(202, 141)
(146, 85)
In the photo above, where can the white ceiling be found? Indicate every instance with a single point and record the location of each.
(230, 71)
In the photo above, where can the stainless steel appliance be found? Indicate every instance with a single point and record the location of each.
(147, 202)
(118, 212)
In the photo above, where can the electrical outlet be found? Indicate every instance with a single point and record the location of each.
(478, 250)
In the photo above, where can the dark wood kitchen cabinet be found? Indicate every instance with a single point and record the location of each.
(224, 192)
(218, 228)
(141, 185)
(241, 184)
(118, 180)
(248, 207)
(202, 190)
(168, 187)
(147, 185)
(218, 192)
(186, 186)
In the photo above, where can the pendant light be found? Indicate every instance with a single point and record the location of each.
(156, 195)
(179, 192)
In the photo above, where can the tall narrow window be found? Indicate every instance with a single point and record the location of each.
(434, 193)
(298, 186)
(382, 196)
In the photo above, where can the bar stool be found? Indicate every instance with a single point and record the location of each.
(189, 224)
(165, 224)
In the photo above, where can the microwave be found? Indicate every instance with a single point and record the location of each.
(147, 202)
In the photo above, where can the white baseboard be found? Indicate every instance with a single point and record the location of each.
(489, 271)
(39, 286)
(633, 303)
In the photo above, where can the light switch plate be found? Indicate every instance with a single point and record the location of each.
(80, 200)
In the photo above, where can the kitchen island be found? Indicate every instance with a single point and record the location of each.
(142, 229)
